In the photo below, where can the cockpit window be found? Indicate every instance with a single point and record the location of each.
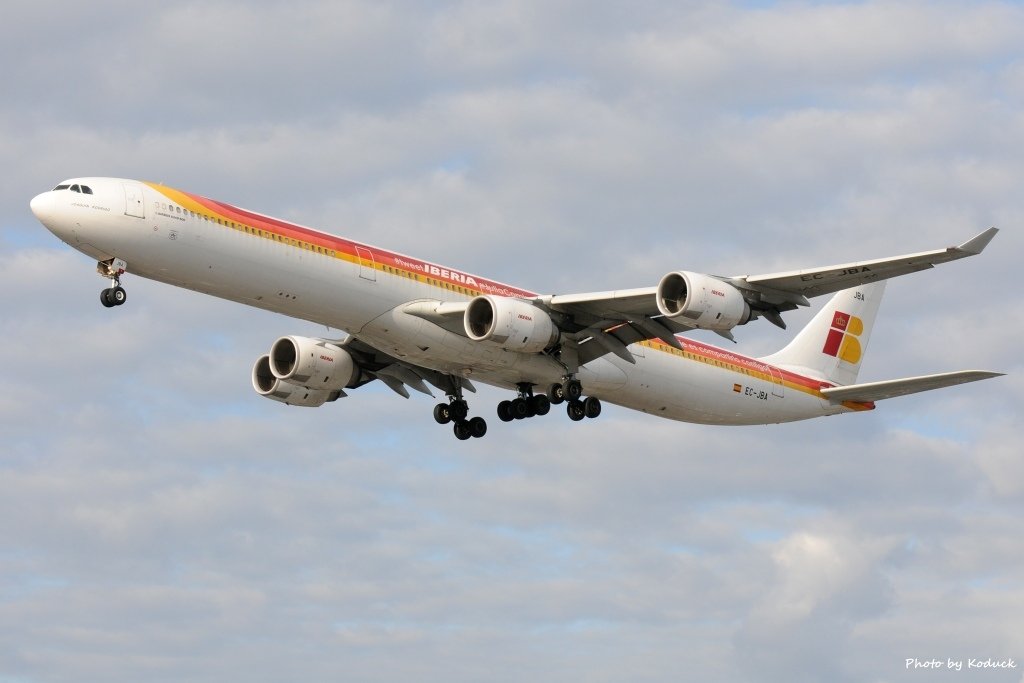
(83, 189)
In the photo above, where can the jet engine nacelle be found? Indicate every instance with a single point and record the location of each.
(313, 363)
(514, 324)
(266, 384)
(701, 301)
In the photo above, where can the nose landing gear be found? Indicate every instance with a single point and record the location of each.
(114, 295)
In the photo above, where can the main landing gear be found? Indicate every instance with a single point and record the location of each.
(576, 406)
(457, 412)
(569, 392)
(114, 295)
(524, 406)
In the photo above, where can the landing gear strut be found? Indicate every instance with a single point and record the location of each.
(114, 295)
(457, 412)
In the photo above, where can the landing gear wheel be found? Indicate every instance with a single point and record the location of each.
(477, 427)
(113, 296)
(520, 409)
(591, 406)
(540, 404)
(458, 410)
(442, 413)
(572, 389)
(505, 411)
(575, 411)
(462, 430)
(556, 394)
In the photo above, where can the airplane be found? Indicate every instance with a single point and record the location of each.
(413, 324)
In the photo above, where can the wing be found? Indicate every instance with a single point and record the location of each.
(607, 322)
(597, 323)
(876, 391)
(793, 285)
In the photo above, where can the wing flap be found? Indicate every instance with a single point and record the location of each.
(621, 304)
(876, 391)
(396, 374)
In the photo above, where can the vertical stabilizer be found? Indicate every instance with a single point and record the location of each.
(832, 346)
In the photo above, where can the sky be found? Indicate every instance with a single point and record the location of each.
(159, 521)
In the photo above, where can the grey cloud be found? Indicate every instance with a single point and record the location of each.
(160, 521)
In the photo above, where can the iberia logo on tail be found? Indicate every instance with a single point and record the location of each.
(843, 339)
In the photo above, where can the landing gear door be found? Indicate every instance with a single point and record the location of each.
(367, 266)
(133, 200)
(778, 388)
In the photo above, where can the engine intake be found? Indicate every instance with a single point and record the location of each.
(266, 384)
(312, 363)
(701, 301)
(514, 324)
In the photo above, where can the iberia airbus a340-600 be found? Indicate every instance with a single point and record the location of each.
(413, 324)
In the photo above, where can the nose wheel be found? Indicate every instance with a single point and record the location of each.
(113, 296)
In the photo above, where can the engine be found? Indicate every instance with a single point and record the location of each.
(701, 301)
(313, 363)
(265, 384)
(302, 371)
(513, 324)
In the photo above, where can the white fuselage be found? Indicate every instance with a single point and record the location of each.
(189, 241)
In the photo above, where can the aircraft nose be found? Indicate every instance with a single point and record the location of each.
(42, 206)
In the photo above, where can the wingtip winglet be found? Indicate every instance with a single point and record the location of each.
(978, 243)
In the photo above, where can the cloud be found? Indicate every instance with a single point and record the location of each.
(823, 584)
(784, 50)
(160, 521)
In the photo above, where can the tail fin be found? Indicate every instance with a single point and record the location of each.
(832, 345)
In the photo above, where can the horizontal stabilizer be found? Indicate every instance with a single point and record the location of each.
(876, 391)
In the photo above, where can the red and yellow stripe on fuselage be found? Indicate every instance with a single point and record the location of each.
(713, 356)
(272, 229)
